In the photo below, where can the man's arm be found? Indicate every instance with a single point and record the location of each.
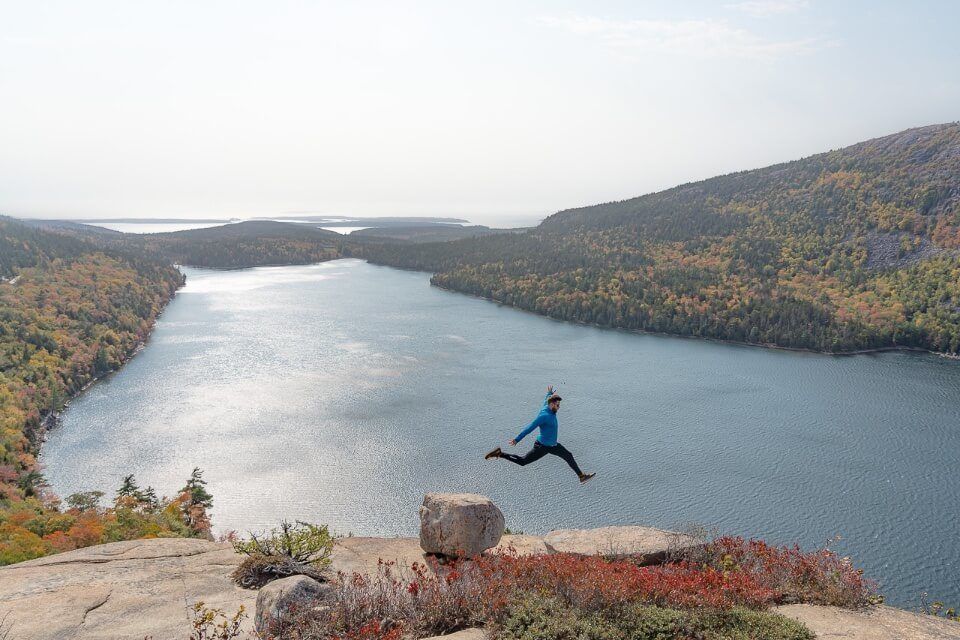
(547, 397)
(530, 427)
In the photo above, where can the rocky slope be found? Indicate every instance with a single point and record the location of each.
(146, 588)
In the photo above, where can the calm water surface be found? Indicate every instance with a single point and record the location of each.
(342, 392)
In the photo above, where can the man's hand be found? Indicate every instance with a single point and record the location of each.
(513, 443)
(549, 388)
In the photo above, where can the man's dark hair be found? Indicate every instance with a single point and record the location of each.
(554, 398)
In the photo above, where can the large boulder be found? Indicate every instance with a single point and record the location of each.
(459, 524)
(279, 601)
(646, 545)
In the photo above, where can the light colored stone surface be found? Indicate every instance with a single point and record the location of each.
(876, 623)
(278, 600)
(459, 524)
(522, 545)
(362, 555)
(120, 590)
(648, 545)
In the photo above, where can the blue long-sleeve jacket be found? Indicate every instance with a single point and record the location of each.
(546, 420)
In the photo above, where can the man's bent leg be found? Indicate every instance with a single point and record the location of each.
(533, 455)
(561, 451)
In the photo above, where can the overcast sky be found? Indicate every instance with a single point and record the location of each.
(495, 111)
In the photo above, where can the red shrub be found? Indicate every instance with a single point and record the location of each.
(815, 577)
(435, 600)
(595, 584)
(373, 630)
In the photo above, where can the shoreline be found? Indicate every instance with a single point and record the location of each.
(53, 419)
(774, 347)
(258, 266)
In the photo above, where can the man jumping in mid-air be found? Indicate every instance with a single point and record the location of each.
(546, 442)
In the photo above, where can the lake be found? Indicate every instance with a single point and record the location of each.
(341, 392)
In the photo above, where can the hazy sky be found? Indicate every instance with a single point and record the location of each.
(490, 110)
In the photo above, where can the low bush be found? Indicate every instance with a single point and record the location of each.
(257, 570)
(792, 575)
(213, 624)
(545, 618)
(290, 549)
(299, 541)
(938, 609)
(718, 593)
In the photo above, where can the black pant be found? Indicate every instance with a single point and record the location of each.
(540, 450)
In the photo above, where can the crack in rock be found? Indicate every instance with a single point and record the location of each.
(96, 605)
(104, 560)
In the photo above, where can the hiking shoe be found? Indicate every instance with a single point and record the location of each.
(586, 477)
(493, 454)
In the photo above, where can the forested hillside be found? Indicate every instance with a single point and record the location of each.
(245, 244)
(69, 311)
(846, 250)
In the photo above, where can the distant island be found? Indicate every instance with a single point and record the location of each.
(152, 220)
(354, 221)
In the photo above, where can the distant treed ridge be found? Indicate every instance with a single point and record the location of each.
(246, 244)
(846, 250)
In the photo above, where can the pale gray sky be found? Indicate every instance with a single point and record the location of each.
(493, 111)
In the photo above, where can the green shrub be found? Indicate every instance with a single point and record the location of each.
(646, 622)
(300, 541)
(536, 618)
(546, 618)
(214, 624)
(300, 548)
(938, 609)
(746, 624)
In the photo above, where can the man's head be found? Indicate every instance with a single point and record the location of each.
(553, 403)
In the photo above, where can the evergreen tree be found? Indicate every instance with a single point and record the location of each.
(129, 489)
(196, 488)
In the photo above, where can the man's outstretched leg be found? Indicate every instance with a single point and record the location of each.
(533, 455)
(562, 452)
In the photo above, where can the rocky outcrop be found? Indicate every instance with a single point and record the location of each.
(459, 524)
(120, 590)
(280, 601)
(875, 623)
(147, 588)
(887, 250)
(644, 544)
